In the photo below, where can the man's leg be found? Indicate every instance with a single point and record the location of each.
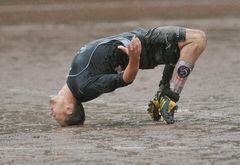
(191, 47)
(190, 50)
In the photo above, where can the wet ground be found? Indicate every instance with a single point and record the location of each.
(35, 55)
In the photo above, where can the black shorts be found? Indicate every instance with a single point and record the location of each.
(160, 46)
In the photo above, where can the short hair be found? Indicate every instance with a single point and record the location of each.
(77, 117)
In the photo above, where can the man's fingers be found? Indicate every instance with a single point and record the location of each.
(134, 48)
(139, 46)
(135, 45)
(133, 37)
(124, 49)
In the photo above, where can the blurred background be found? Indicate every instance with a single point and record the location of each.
(72, 11)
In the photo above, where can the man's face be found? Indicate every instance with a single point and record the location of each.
(58, 109)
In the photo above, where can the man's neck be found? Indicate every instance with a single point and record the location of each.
(67, 94)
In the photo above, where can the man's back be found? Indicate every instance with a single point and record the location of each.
(97, 67)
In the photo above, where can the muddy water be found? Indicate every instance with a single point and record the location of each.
(35, 59)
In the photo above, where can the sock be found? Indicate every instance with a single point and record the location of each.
(180, 75)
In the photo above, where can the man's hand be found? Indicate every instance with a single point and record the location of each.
(133, 51)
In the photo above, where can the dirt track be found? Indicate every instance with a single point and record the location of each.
(36, 48)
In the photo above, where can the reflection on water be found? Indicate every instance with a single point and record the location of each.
(25, 121)
(112, 131)
(38, 120)
(110, 116)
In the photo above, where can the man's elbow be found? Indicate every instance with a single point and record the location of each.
(129, 78)
(128, 81)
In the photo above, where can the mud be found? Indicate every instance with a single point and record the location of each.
(35, 55)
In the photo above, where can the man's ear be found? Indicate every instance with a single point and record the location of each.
(69, 110)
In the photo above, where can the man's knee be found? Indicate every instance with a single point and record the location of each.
(200, 39)
(196, 38)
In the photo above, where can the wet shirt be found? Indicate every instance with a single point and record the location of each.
(97, 68)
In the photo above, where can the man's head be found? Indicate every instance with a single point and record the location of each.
(66, 110)
(77, 117)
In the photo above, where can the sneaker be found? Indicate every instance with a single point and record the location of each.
(153, 107)
(167, 107)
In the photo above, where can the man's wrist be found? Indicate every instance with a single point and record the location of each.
(134, 60)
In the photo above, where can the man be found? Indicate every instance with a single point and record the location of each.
(103, 65)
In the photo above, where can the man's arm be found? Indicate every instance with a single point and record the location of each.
(133, 51)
